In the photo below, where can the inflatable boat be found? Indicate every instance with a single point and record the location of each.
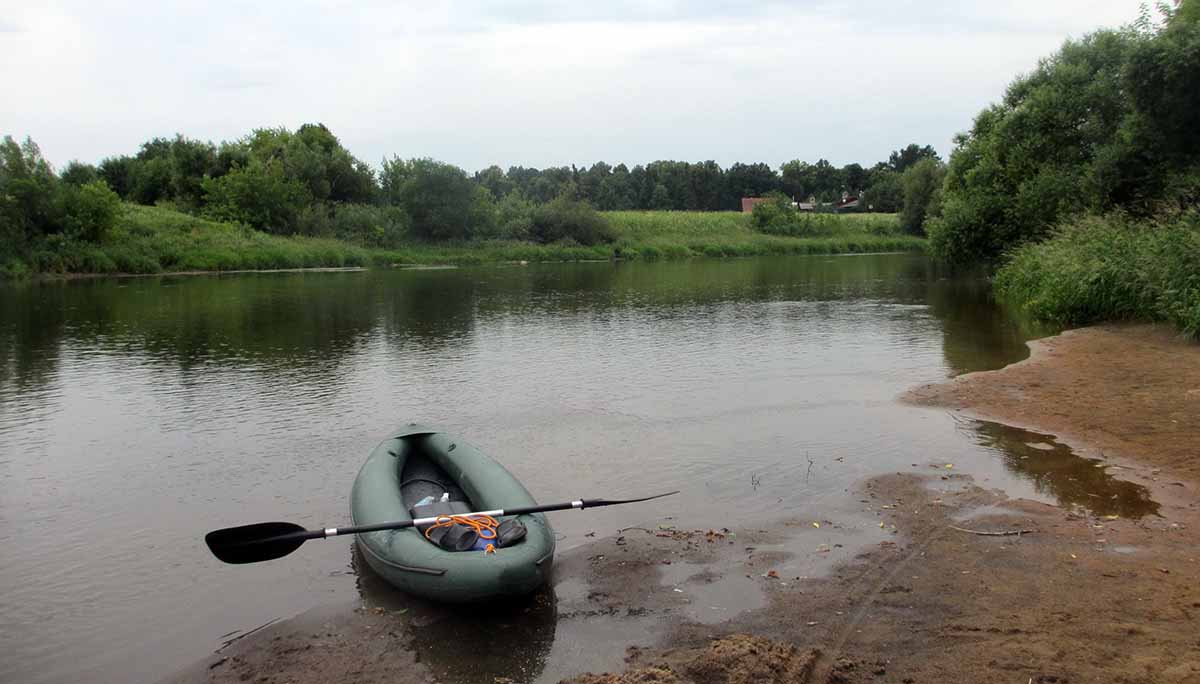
(417, 468)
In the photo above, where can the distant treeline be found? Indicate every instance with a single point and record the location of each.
(187, 171)
(706, 186)
(304, 182)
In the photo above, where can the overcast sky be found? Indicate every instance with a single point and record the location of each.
(527, 82)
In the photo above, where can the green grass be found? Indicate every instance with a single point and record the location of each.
(158, 240)
(675, 234)
(155, 240)
(1109, 268)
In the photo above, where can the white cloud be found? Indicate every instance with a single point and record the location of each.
(529, 83)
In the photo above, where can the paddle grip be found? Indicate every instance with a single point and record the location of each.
(566, 506)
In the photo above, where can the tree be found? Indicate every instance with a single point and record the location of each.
(259, 194)
(495, 181)
(901, 159)
(617, 191)
(1030, 160)
(884, 192)
(89, 211)
(641, 187)
(1153, 160)
(35, 203)
(854, 178)
(827, 181)
(748, 180)
(707, 181)
(675, 177)
(922, 186)
(1163, 80)
(27, 186)
(591, 182)
(191, 161)
(514, 217)
(150, 181)
(481, 218)
(660, 198)
(369, 225)
(116, 172)
(392, 177)
(797, 180)
(522, 178)
(77, 173)
(438, 199)
(565, 218)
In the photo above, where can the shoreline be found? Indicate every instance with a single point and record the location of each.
(159, 241)
(1126, 393)
(418, 267)
(936, 578)
(467, 258)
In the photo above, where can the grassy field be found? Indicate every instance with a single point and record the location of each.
(675, 234)
(157, 240)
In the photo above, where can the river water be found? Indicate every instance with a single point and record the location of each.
(137, 414)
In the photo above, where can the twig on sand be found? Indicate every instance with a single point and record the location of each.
(626, 529)
(1007, 533)
(243, 635)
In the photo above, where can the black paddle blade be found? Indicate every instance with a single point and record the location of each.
(591, 503)
(255, 543)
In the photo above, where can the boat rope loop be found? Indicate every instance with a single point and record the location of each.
(484, 525)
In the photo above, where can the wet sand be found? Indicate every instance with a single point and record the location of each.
(1123, 391)
(933, 579)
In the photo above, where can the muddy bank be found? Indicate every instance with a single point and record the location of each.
(1130, 391)
(976, 587)
(933, 578)
(959, 582)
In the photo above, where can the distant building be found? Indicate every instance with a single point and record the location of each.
(749, 202)
(848, 202)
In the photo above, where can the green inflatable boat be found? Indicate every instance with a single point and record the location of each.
(416, 464)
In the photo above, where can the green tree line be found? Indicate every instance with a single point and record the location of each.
(706, 186)
(1082, 182)
(1107, 123)
(305, 182)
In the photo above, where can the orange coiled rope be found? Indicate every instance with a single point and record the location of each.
(484, 525)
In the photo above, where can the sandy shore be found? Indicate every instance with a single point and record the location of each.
(1128, 391)
(935, 579)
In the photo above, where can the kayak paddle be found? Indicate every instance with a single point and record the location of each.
(270, 540)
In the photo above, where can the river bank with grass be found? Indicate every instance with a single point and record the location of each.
(147, 239)
(1110, 268)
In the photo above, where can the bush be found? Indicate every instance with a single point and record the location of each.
(315, 220)
(257, 194)
(35, 203)
(481, 218)
(27, 188)
(88, 212)
(514, 217)
(563, 219)
(369, 226)
(13, 269)
(922, 184)
(1097, 268)
(78, 173)
(779, 218)
(775, 215)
